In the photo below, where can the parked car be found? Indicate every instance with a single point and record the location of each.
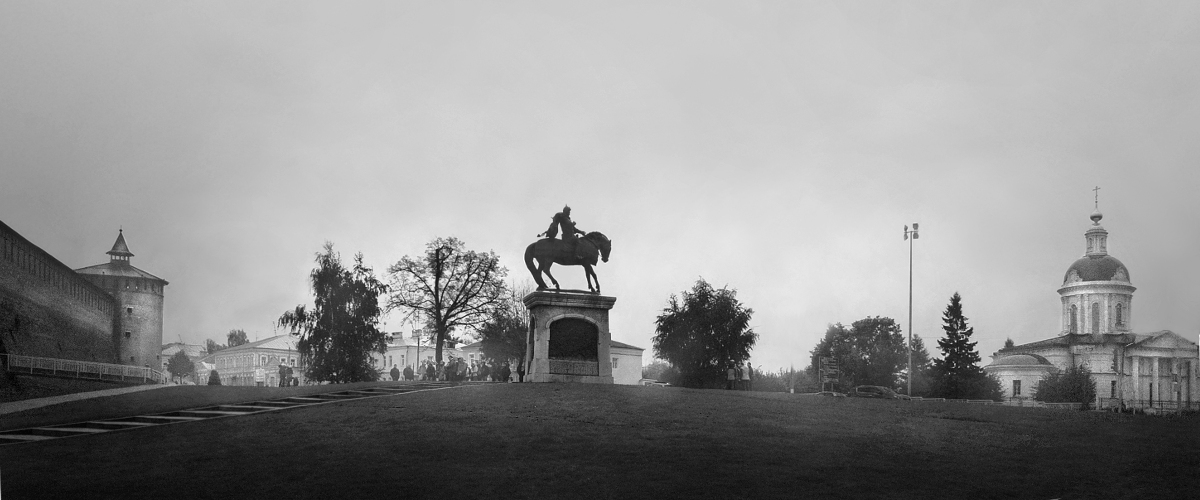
(828, 394)
(875, 391)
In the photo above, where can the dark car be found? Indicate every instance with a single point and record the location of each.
(831, 394)
(875, 391)
(828, 394)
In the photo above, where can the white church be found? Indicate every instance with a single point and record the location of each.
(1137, 370)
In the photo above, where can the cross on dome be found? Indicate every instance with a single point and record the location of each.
(1096, 216)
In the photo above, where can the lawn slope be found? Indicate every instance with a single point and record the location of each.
(587, 441)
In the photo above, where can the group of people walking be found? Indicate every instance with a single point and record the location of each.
(739, 377)
(458, 370)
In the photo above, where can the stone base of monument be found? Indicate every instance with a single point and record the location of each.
(568, 337)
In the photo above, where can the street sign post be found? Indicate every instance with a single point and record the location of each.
(829, 370)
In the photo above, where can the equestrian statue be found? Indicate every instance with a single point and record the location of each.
(571, 250)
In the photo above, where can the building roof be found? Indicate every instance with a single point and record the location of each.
(1078, 339)
(1088, 339)
(1097, 268)
(119, 247)
(613, 343)
(120, 270)
(278, 342)
(119, 266)
(1022, 360)
(189, 350)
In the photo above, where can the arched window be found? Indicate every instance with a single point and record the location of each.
(1120, 318)
(1074, 319)
(1095, 317)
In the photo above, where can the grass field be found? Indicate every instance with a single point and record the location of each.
(509, 441)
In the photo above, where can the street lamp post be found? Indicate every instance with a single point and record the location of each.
(417, 360)
(914, 235)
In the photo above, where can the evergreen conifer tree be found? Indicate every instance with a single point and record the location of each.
(957, 374)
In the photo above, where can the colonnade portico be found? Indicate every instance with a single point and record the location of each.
(1177, 385)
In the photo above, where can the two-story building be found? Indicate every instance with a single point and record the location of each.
(256, 363)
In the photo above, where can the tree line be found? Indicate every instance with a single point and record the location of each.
(704, 331)
(454, 292)
(873, 351)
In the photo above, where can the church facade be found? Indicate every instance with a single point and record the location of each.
(1131, 369)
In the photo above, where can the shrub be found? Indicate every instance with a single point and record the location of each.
(1073, 385)
(214, 378)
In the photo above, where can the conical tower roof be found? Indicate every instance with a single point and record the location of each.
(120, 249)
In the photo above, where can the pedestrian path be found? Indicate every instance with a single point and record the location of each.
(35, 434)
(29, 404)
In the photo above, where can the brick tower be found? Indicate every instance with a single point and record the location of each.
(138, 319)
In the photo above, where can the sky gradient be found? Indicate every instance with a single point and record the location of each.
(774, 147)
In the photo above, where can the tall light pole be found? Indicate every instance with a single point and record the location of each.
(914, 235)
(416, 333)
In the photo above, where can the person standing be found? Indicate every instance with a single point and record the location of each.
(748, 377)
(395, 373)
(408, 373)
(730, 376)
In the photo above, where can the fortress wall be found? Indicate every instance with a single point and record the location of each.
(47, 309)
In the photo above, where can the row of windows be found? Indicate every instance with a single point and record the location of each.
(391, 361)
(253, 360)
(1074, 328)
(67, 281)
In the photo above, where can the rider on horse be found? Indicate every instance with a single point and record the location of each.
(563, 220)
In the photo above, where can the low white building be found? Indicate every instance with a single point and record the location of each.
(414, 351)
(626, 363)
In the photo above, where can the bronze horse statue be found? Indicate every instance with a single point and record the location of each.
(550, 251)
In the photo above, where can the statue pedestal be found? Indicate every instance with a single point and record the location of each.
(568, 338)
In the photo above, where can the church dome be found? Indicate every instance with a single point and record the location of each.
(1097, 268)
(1022, 360)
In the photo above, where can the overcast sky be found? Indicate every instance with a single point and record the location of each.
(778, 148)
